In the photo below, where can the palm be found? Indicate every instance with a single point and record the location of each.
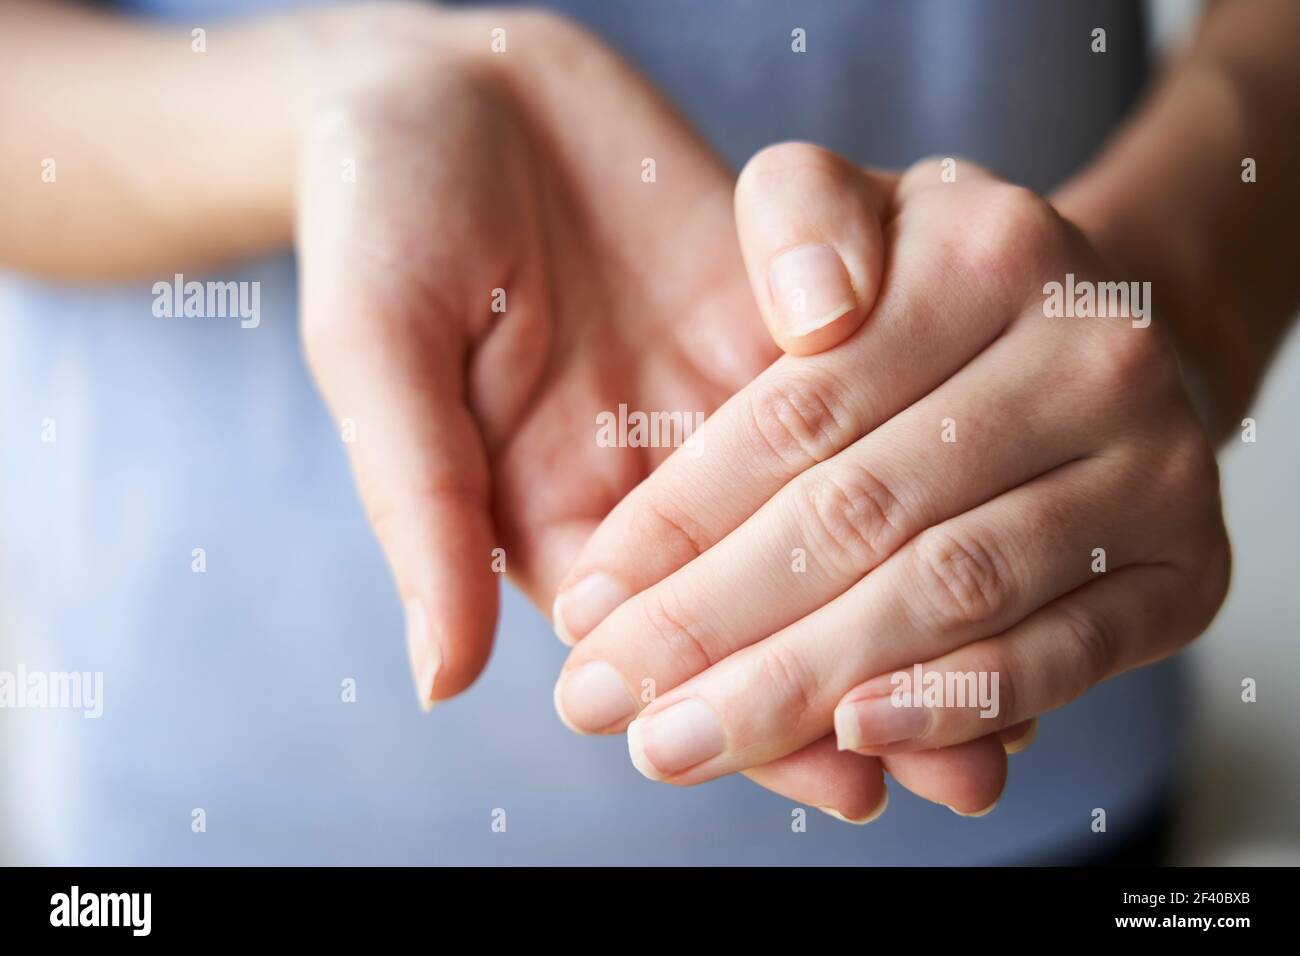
(616, 291)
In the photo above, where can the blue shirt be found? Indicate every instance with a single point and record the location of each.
(223, 690)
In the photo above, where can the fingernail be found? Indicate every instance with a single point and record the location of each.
(592, 697)
(578, 609)
(810, 288)
(426, 659)
(1023, 741)
(674, 739)
(870, 817)
(876, 722)
(978, 813)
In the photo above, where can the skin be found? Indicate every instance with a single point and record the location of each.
(471, 429)
(474, 428)
(1073, 434)
(965, 555)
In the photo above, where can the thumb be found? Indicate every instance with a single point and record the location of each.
(811, 233)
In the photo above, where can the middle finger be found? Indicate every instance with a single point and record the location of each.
(828, 528)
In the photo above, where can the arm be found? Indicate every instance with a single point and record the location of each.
(162, 156)
(167, 157)
(1166, 201)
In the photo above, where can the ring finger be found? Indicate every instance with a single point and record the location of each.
(965, 579)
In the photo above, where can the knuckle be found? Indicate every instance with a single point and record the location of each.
(1012, 232)
(1186, 475)
(1203, 579)
(965, 580)
(670, 529)
(854, 515)
(1020, 216)
(1122, 359)
(993, 659)
(1094, 641)
(397, 519)
(683, 638)
(787, 684)
(799, 421)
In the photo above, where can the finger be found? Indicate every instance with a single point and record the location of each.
(796, 414)
(818, 775)
(968, 779)
(1019, 737)
(388, 348)
(961, 581)
(1117, 622)
(422, 475)
(837, 521)
(811, 232)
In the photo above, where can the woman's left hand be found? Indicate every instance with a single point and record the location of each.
(969, 482)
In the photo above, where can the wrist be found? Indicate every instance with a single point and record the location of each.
(1166, 215)
(356, 63)
(1191, 301)
(389, 64)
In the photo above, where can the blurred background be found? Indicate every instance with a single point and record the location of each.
(1242, 775)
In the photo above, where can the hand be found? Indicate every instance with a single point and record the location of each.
(474, 429)
(952, 474)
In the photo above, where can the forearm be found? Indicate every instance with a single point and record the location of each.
(125, 151)
(1167, 201)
